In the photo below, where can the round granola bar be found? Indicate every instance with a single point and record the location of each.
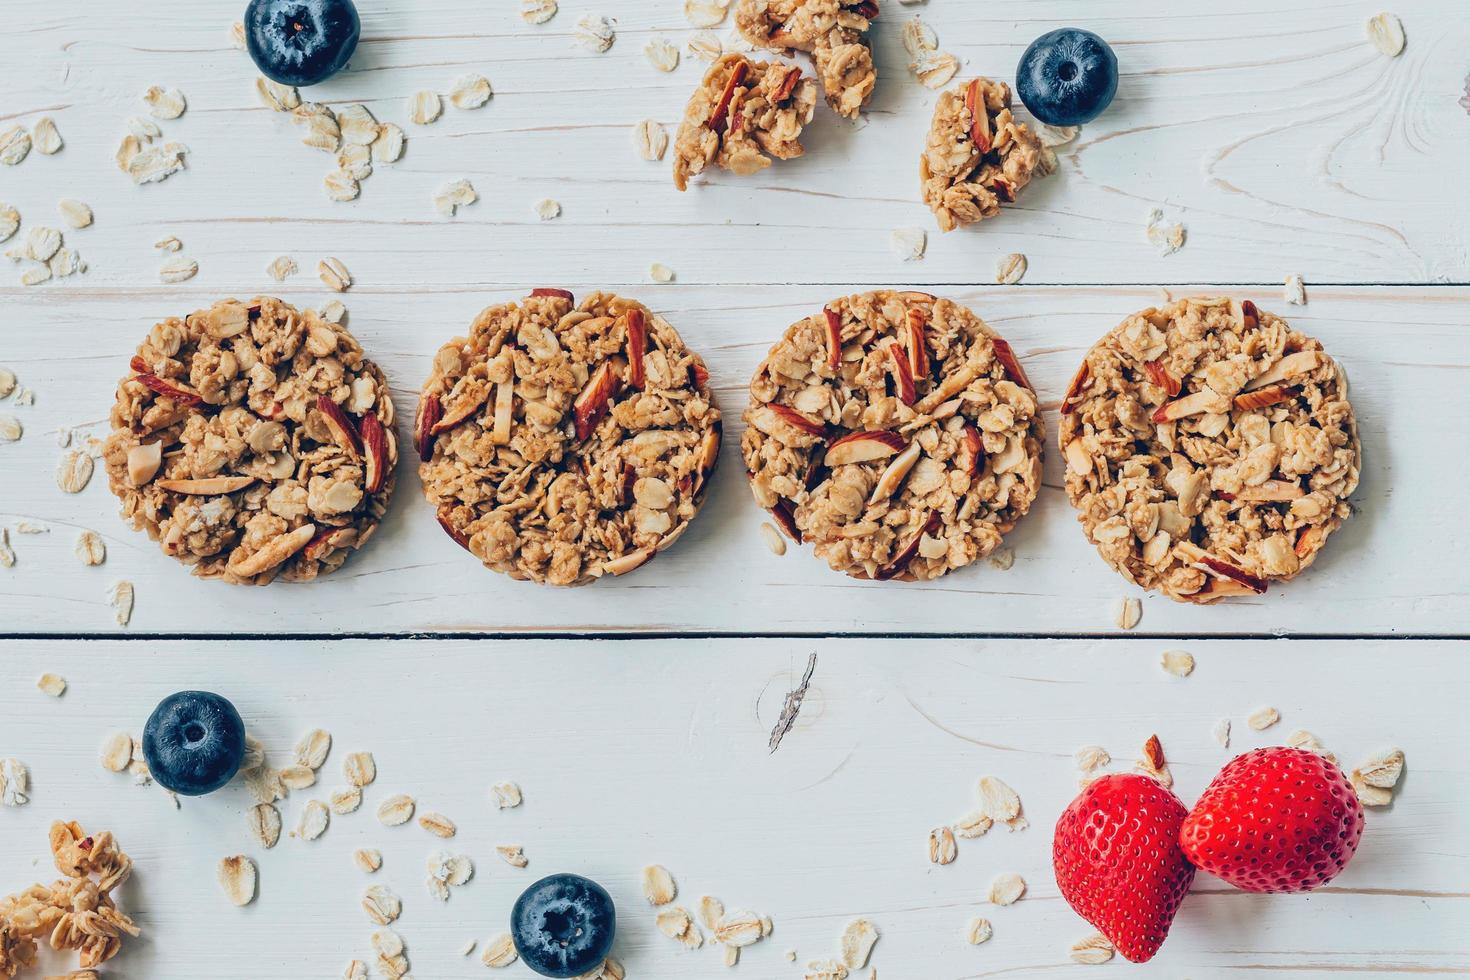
(743, 113)
(897, 433)
(563, 441)
(1210, 448)
(977, 156)
(833, 32)
(253, 441)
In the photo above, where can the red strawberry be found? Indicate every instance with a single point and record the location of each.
(1118, 863)
(1275, 820)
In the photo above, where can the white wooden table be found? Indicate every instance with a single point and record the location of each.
(635, 712)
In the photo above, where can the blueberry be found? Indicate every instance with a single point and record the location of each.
(301, 42)
(1067, 77)
(563, 925)
(194, 742)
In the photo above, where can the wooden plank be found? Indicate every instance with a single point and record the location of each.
(1391, 570)
(1276, 133)
(652, 751)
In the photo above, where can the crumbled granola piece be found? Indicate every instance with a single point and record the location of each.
(895, 431)
(833, 32)
(977, 155)
(540, 384)
(743, 114)
(259, 485)
(1209, 449)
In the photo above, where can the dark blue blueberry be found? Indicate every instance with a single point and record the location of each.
(194, 742)
(563, 926)
(1067, 77)
(301, 42)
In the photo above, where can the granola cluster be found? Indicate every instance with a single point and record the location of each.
(561, 442)
(897, 433)
(1210, 448)
(253, 442)
(833, 32)
(74, 913)
(977, 156)
(743, 114)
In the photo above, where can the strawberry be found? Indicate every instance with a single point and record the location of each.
(1275, 820)
(1118, 863)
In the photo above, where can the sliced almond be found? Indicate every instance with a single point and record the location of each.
(210, 487)
(273, 554)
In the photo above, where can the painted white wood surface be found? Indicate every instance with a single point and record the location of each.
(1391, 570)
(632, 752)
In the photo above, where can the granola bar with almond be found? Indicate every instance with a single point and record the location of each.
(977, 156)
(743, 114)
(253, 441)
(1210, 448)
(833, 32)
(897, 433)
(561, 442)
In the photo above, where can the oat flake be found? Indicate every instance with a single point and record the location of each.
(341, 186)
(919, 38)
(282, 268)
(438, 824)
(1177, 662)
(358, 125)
(661, 54)
(450, 197)
(10, 428)
(978, 931)
(311, 751)
(1382, 769)
(388, 147)
(537, 11)
(470, 91)
(264, 823)
(332, 272)
(1006, 888)
(424, 107)
(935, 70)
(507, 795)
(1010, 268)
(45, 136)
(1263, 718)
(381, 905)
(594, 33)
(659, 272)
(705, 45)
(773, 539)
(1386, 32)
(1094, 950)
(15, 783)
(857, 941)
(53, 685)
(547, 209)
(395, 810)
(165, 103)
(649, 136)
(314, 820)
(74, 212)
(1221, 733)
(706, 13)
(499, 952)
(343, 801)
(178, 269)
(360, 769)
(908, 244)
(1295, 291)
(658, 885)
(74, 471)
(512, 854)
(367, 859)
(236, 876)
(9, 224)
(117, 752)
(941, 845)
(15, 144)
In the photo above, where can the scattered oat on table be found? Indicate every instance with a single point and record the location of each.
(1303, 739)
(344, 801)
(15, 145)
(314, 820)
(282, 268)
(858, 940)
(10, 428)
(274, 95)
(705, 45)
(169, 244)
(74, 471)
(1006, 888)
(1010, 268)
(1386, 32)
(424, 107)
(470, 91)
(45, 137)
(594, 33)
(942, 848)
(341, 186)
(264, 823)
(388, 147)
(1054, 136)
(1295, 291)
(1177, 662)
(438, 824)
(512, 854)
(978, 931)
(117, 752)
(367, 859)
(360, 769)
(499, 952)
(908, 244)
(395, 810)
(75, 213)
(332, 272)
(676, 923)
(935, 69)
(53, 685)
(180, 268)
(1167, 238)
(165, 103)
(311, 750)
(537, 11)
(507, 795)
(547, 209)
(381, 905)
(649, 136)
(15, 783)
(236, 876)
(661, 54)
(1127, 613)
(9, 224)
(1263, 718)
(1094, 950)
(659, 272)
(1376, 778)
(1091, 757)
(452, 196)
(658, 885)
(773, 539)
(119, 597)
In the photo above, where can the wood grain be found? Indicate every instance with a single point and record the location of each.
(655, 751)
